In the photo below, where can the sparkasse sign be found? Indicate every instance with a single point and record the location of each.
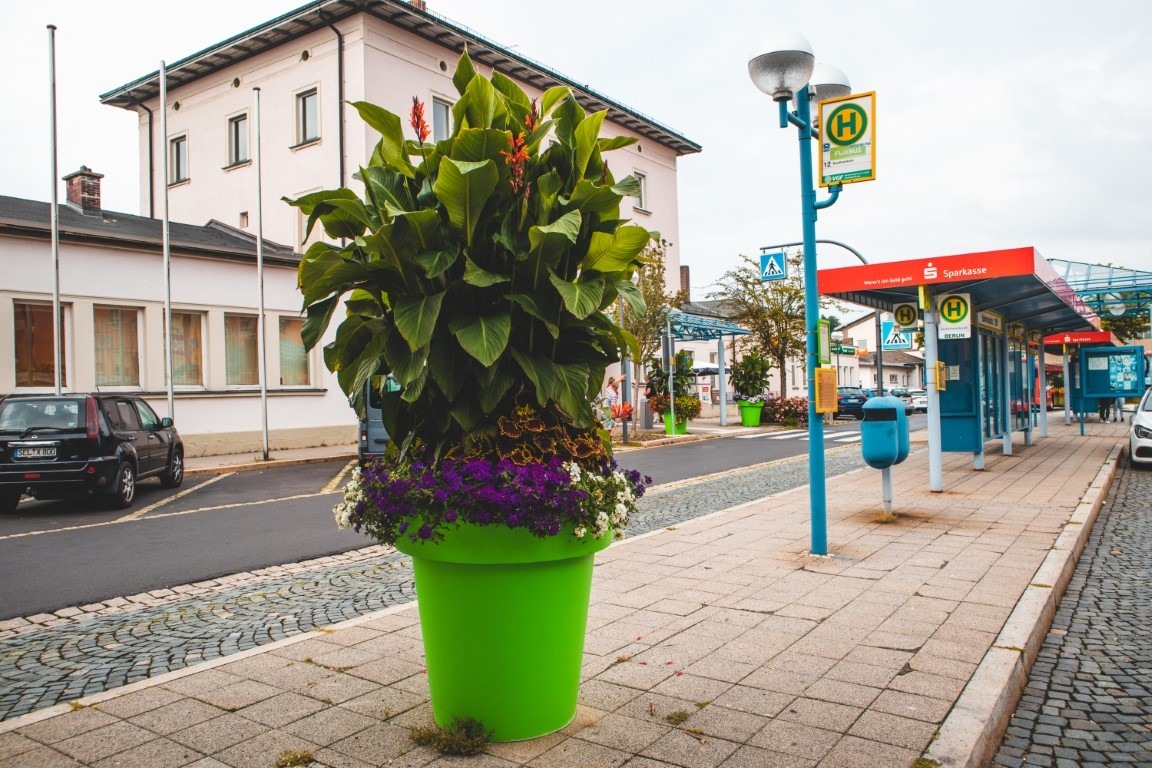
(943, 269)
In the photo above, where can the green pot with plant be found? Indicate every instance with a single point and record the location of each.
(750, 379)
(477, 271)
(687, 405)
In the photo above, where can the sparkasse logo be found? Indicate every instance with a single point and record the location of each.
(929, 272)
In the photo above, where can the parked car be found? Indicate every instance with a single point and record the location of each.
(850, 401)
(1140, 433)
(102, 444)
(374, 438)
(919, 398)
(900, 392)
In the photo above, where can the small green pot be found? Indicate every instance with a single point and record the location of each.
(503, 616)
(680, 428)
(750, 413)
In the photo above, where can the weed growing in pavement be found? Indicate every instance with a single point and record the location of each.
(702, 704)
(291, 758)
(677, 717)
(466, 736)
(926, 762)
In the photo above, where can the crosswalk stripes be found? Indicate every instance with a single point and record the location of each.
(802, 434)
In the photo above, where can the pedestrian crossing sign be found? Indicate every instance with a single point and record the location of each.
(773, 266)
(894, 338)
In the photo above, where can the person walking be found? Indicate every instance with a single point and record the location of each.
(609, 397)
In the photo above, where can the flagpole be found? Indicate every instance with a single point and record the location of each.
(260, 329)
(58, 362)
(167, 243)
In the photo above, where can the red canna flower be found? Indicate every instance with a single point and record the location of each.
(532, 118)
(516, 159)
(417, 120)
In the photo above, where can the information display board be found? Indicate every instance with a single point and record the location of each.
(1112, 372)
(826, 401)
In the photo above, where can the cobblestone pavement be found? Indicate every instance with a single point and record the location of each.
(64, 656)
(1088, 701)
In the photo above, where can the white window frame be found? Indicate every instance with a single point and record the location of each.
(440, 101)
(300, 112)
(641, 200)
(233, 158)
(174, 167)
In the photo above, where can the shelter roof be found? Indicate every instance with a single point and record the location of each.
(686, 327)
(32, 218)
(1017, 283)
(424, 23)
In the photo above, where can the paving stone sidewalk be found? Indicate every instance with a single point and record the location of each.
(80, 656)
(769, 656)
(1088, 701)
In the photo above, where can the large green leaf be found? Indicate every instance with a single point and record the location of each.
(492, 393)
(564, 384)
(405, 363)
(476, 145)
(539, 308)
(633, 295)
(316, 204)
(466, 412)
(615, 142)
(552, 97)
(484, 337)
(416, 318)
(423, 225)
(483, 104)
(391, 136)
(568, 116)
(550, 239)
(511, 91)
(447, 368)
(464, 188)
(386, 189)
(628, 186)
(615, 252)
(593, 198)
(581, 298)
(464, 73)
(353, 376)
(325, 271)
(480, 277)
(587, 132)
(319, 316)
(435, 262)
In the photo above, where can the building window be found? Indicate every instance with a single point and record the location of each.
(641, 203)
(117, 346)
(237, 139)
(892, 378)
(293, 356)
(307, 116)
(241, 350)
(178, 160)
(187, 349)
(441, 119)
(35, 348)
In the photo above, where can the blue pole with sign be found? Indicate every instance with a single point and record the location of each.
(817, 496)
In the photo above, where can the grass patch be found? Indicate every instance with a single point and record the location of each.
(702, 704)
(677, 717)
(291, 758)
(926, 762)
(465, 736)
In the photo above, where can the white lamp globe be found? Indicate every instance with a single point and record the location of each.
(828, 82)
(781, 64)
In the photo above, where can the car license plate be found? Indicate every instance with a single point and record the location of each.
(38, 452)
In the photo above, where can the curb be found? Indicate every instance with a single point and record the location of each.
(254, 465)
(971, 733)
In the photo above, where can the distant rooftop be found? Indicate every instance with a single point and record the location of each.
(426, 24)
(19, 216)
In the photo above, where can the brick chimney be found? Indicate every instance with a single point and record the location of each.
(419, 5)
(685, 283)
(84, 190)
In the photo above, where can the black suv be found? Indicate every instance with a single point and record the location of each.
(54, 446)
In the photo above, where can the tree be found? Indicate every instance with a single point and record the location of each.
(648, 327)
(772, 310)
(1126, 327)
(833, 322)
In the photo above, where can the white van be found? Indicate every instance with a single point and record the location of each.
(374, 437)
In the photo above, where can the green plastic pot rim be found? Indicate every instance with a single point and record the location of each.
(467, 543)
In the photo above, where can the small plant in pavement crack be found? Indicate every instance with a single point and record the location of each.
(466, 736)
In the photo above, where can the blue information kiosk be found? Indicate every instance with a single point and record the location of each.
(983, 317)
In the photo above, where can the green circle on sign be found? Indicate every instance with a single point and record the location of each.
(954, 309)
(905, 315)
(846, 124)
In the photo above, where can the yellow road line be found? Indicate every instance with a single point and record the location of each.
(141, 512)
(334, 483)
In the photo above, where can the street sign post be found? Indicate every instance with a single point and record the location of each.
(773, 266)
(848, 141)
(955, 316)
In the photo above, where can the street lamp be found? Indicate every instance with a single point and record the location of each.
(837, 336)
(784, 67)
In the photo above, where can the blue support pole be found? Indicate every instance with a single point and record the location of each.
(816, 479)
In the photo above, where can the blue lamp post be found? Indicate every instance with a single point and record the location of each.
(787, 70)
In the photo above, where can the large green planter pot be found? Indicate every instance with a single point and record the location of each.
(503, 615)
(750, 413)
(679, 428)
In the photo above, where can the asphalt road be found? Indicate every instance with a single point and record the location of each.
(62, 553)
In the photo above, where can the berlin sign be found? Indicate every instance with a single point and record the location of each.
(955, 316)
(848, 139)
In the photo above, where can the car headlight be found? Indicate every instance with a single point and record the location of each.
(1142, 432)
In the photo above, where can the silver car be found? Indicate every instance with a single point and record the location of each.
(1140, 433)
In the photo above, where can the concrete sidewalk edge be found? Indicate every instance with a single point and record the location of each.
(970, 735)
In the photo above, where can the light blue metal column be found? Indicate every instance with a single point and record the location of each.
(721, 383)
(1006, 405)
(931, 355)
(981, 396)
(1043, 386)
(1028, 391)
(1067, 390)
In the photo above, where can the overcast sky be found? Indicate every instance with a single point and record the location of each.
(999, 124)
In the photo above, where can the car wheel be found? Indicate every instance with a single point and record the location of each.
(9, 498)
(174, 475)
(124, 491)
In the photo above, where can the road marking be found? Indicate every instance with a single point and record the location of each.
(677, 484)
(797, 433)
(141, 512)
(770, 435)
(849, 439)
(334, 483)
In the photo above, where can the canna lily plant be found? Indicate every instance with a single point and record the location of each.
(476, 270)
